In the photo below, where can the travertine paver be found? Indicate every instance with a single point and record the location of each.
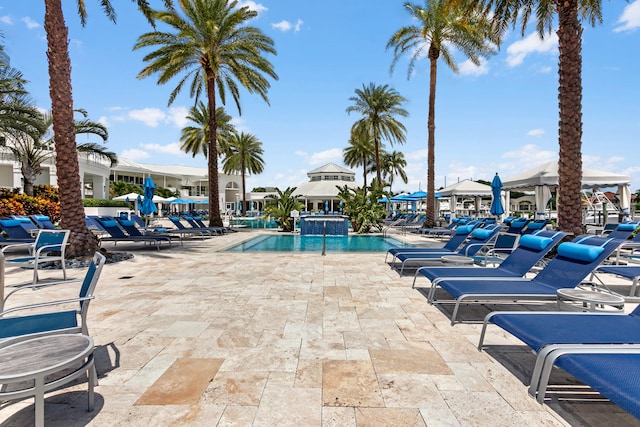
(279, 339)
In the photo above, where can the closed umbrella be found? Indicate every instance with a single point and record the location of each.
(496, 203)
(149, 188)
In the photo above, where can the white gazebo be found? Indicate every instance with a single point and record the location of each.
(321, 191)
(544, 178)
(465, 188)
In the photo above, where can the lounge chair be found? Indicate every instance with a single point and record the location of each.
(49, 246)
(479, 238)
(26, 223)
(630, 272)
(536, 225)
(573, 263)
(517, 225)
(553, 334)
(117, 234)
(201, 226)
(184, 230)
(130, 228)
(65, 320)
(15, 231)
(461, 234)
(623, 230)
(43, 221)
(530, 251)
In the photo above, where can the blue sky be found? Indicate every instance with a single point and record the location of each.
(499, 117)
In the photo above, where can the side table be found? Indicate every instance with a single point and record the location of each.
(457, 260)
(34, 359)
(572, 299)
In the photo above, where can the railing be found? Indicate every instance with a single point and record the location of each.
(324, 239)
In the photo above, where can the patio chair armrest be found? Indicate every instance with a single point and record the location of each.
(466, 251)
(36, 286)
(17, 245)
(46, 304)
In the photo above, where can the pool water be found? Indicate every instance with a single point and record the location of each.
(297, 243)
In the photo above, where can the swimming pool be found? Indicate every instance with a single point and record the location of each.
(297, 243)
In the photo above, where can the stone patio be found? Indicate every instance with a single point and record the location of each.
(193, 336)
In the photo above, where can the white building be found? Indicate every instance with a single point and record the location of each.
(320, 193)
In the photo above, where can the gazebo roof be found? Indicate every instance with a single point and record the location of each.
(465, 187)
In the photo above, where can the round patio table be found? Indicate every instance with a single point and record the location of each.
(457, 259)
(35, 359)
(573, 299)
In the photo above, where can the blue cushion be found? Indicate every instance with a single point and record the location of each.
(535, 242)
(42, 217)
(627, 227)
(464, 229)
(535, 225)
(586, 253)
(109, 223)
(479, 233)
(9, 222)
(127, 223)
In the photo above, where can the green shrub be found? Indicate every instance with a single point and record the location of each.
(101, 203)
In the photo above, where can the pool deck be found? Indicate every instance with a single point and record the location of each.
(193, 336)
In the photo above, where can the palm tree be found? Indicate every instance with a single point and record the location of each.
(32, 153)
(509, 12)
(280, 205)
(379, 106)
(194, 139)
(244, 155)
(443, 25)
(360, 152)
(82, 242)
(393, 164)
(214, 49)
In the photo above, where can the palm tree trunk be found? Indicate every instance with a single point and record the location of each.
(430, 220)
(214, 198)
(570, 126)
(82, 242)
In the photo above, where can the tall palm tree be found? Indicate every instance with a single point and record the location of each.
(379, 107)
(360, 152)
(393, 165)
(195, 139)
(212, 47)
(82, 242)
(244, 155)
(443, 25)
(569, 12)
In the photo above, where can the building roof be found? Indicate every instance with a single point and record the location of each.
(322, 189)
(330, 168)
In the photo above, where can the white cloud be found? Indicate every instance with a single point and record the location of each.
(630, 18)
(518, 51)
(532, 154)
(178, 116)
(300, 153)
(298, 25)
(30, 23)
(331, 155)
(289, 178)
(468, 68)
(149, 116)
(283, 25)
(135, 154)
(172, 148)
(6, 19)
(103, 120)
(253, 6)
(536, 132)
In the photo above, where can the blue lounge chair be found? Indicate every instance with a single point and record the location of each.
(26, 223)
(184, 230)
(546, 333)
(531, 249)
(517, 225)
(480, 237)
(117, 234)
(461, 234)
(630, 272)
(201, 226)
(623, 231)
(65, 320)
(536, 225)
(43, 221)
(130, 228)
(573, 263)
(49, 246)
(15, 231)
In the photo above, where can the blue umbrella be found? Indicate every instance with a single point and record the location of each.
(326, 206)
(496, 204)
(148, 207)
